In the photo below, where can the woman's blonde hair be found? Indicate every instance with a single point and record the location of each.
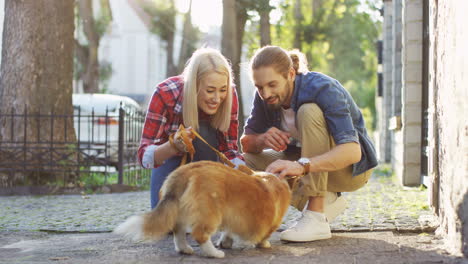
(203, 62)
(280, 59)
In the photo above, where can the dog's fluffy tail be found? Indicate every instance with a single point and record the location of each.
(131, 228)
(162, 219)
(153, 225)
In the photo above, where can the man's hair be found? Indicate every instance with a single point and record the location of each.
(203, 62)
(280, 59)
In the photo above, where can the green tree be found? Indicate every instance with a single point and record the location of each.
(234, 19)
(338, 38)
(93, 27)
(163, 16)
(264, 8)
(236, 14)
(190, 36)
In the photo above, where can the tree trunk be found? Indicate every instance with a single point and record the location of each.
(298, 25)
(316, 6)
(90, 75)
(171, 67)
(234, 20)
(170, 38)
(241, 20)
(36, 76)
(229, 30)
(186, 48)
(265, 36)
(264, 10)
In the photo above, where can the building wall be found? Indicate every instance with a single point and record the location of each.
(396, 60)
(411, 93)
(394, 123)
(404, 119)
(449, 76)
(138, 57)
(447, 108)
(384, 103)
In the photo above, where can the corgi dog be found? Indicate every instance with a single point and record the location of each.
(206, 197)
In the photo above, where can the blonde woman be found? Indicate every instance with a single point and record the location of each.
(202, 99)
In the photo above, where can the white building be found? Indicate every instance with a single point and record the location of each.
(137, 56)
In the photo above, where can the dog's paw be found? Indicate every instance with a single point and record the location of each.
(210, 251)
(215, 254)
(264, 244)
(225, 242)
(185, 250)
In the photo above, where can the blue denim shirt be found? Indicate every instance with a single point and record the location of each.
(343, 117)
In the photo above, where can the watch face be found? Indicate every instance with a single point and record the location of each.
(303, 161)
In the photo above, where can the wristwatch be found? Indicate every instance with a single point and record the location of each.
(305, 162)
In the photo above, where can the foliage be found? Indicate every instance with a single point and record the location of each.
(102, 20)
(105, 73)
(78, 68)
(102, 23)
(338, 38)
(97, 179)
(163, 19)
(383, 170)
(163, 15)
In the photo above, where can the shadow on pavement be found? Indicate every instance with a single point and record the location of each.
(367, 247)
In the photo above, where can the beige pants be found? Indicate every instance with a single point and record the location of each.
(315, 140)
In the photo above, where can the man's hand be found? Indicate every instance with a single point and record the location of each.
(275, 139)
(285, 168)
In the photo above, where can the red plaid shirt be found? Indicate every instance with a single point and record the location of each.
(164, 116)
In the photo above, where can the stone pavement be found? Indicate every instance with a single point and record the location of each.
(107, 248)
(380, 206)
(380, 226)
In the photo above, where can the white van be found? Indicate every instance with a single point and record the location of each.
(96, 122)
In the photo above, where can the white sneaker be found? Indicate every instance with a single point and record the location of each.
(334, 205)
(310, 227)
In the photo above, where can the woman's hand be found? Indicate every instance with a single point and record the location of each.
(285, 168)
(275, 139)
(183, 139)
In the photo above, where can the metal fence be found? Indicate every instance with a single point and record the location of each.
(85, 148)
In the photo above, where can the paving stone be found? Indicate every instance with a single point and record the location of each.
(380, 205)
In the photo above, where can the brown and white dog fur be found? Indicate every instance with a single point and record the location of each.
(208, 196)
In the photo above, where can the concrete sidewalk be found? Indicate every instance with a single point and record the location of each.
(107, 248)
(382, 225)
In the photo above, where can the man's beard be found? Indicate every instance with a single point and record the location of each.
(275, 106)
(281, 101)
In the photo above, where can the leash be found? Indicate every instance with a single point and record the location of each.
(190, 150)
(221, 156)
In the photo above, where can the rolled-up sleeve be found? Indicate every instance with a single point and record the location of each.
(332, 100)
(153, 131)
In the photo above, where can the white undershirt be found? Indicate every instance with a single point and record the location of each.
(288, 122)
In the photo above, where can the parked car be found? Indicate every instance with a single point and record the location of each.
(96, 122)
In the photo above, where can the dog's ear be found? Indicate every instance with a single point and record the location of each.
(245, 169)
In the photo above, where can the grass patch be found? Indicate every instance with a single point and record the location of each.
(98, 179)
